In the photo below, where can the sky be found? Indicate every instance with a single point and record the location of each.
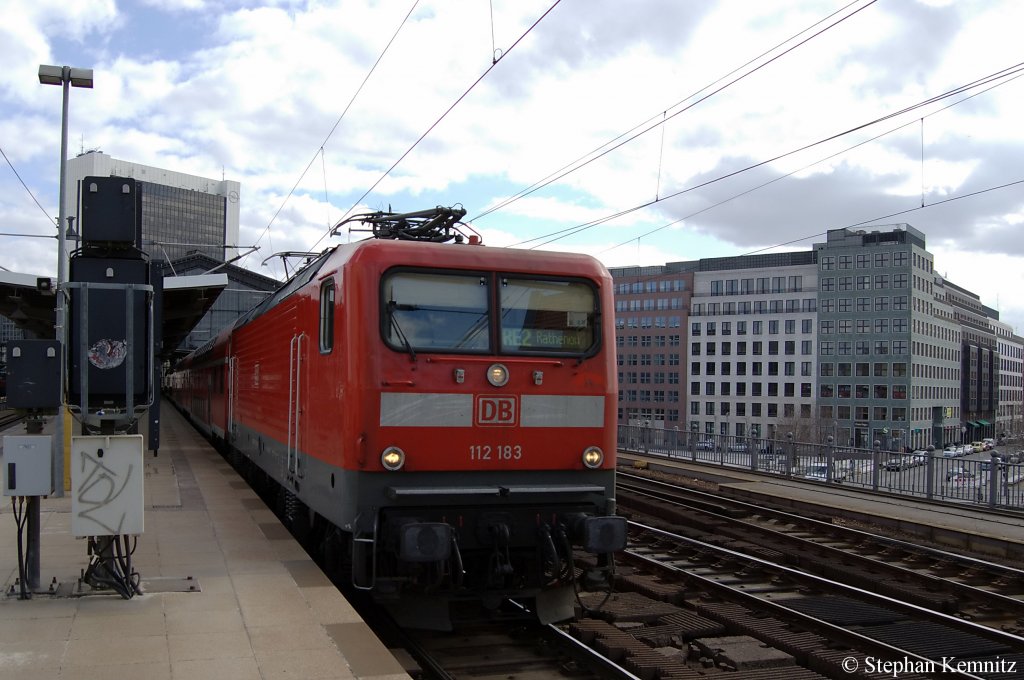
(639, 132)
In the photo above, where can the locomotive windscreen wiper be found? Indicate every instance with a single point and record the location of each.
(392, 307)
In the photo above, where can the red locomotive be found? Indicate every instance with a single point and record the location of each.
(442, 415)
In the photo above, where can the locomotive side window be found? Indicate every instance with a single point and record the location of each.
(436, 312)
(327, 316)
(547, 316)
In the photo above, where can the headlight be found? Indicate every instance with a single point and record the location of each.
(593, 456)
(393, 458)
(497, 375)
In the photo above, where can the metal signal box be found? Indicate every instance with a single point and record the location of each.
(33, 374)
(111, 212)
(111, 332)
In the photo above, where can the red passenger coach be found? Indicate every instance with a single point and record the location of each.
(442, 414)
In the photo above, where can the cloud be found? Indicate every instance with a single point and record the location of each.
(251, 90)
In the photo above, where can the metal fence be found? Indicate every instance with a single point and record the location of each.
(958, 474)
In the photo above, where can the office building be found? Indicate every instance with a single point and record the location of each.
(857, 339)
(650, 309)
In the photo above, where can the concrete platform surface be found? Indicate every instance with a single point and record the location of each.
(260, 608)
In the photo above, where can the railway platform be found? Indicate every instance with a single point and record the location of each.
(229, 594)
(948, 523)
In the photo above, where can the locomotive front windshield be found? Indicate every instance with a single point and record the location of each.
(472, 313)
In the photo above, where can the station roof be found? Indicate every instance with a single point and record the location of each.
(30, 302)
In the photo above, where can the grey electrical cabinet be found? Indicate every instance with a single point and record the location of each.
(27, 465)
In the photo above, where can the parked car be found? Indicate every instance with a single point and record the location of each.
(919, 457)
(958, 474)
(896, 464)
(706, 445)
(986, 465)
(951, 451)
(740, 447)
(819, 473)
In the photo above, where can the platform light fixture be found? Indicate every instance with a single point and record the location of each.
(66, 77)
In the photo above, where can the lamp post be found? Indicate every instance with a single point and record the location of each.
(66, 77)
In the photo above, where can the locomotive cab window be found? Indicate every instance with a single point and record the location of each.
(326, 316)
(450, 312)
(436, 312)
(541, 316)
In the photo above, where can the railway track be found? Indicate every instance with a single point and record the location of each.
(9, 418)
(801, 622)
(970, 588)
(509, 650)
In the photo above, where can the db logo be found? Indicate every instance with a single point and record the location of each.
(495, 411)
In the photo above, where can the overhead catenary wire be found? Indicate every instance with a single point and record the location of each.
(810, 165)
(437, 122)
(266, 230)
(34, 199)
(1003, 74)
(627, 137)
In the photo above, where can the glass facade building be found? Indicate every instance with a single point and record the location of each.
(178, 221)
